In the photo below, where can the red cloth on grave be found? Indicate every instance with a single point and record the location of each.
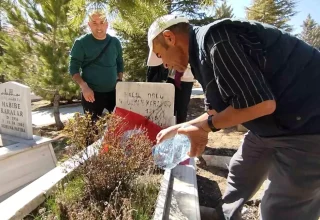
(133, 121)
(137, 121)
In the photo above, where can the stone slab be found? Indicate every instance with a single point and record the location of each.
(217, 161)
(15, 110)
(30, 197)
(22, 161)
(17, 145)
(152, 100)
(184, 199)
(164, 193)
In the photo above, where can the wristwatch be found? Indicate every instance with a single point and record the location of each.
(210, 124)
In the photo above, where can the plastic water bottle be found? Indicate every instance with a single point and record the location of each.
(171, 152)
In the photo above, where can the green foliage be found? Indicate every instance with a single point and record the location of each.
(118, 181)
(311, 32)
(274, 12)
(132, 22)
(223, 11)
(144, 194)
(191, 9)
(132, 26)
(37, 48)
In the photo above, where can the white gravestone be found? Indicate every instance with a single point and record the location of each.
(24, 157)
(15, 110)
(152, 100)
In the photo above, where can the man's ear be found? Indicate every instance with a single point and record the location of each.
(169, 37)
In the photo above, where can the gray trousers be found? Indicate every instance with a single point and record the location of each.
(291, 163)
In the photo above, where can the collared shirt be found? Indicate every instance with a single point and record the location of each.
(238, 76)
(242, 64)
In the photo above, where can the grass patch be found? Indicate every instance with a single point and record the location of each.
(144, 192)
(68, 192)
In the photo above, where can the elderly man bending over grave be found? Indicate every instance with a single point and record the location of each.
(96, 64)
(267, 79)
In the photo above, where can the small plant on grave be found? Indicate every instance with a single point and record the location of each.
(107, 183)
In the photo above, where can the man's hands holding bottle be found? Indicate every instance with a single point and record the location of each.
(196, 133)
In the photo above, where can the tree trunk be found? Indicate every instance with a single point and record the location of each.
(2, 80)
(56, 112)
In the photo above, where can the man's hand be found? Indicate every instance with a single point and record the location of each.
(120, 76)
(197, 136)
(87, 93)
(167, 133)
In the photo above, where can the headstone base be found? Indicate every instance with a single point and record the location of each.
(23, 161)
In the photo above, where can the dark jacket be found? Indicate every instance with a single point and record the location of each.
(292, 71)
(157, 74)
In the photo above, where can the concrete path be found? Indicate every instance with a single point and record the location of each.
(45, 117)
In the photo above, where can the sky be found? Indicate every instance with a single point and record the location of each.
(304, 7)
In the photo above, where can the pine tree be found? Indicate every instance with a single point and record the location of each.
(2, 23)
(223, 11)
(274, 12)
(311, 32)
(189, 8)
(38, 54)
(132, 25)
(133, 21)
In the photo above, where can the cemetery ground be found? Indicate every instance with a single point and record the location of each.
(103, 186)
(211, 181)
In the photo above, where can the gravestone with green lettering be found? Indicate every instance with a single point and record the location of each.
(15, 110)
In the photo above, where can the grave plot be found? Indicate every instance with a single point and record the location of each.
(155, 101)
(24, 157)
(177, 198)
(108, 179)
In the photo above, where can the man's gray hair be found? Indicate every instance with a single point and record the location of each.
(101, 12)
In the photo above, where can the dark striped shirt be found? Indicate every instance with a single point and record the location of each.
(238, 63)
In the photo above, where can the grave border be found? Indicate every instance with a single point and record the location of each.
(30, 197)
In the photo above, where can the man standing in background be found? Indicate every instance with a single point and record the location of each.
(96, 64)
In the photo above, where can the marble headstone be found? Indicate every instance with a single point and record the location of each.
(15, 110)
(152, 100)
